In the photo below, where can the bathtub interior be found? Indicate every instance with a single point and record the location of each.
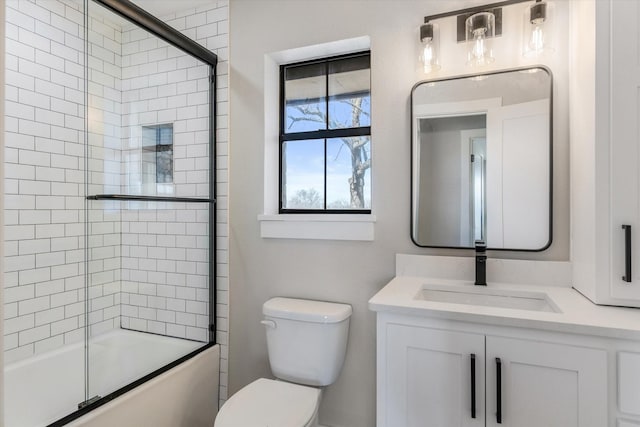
(99, 293)
(43, 388)
(117, 358)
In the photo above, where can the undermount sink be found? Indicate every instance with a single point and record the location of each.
(486, 296)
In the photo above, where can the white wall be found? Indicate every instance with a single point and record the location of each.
(349, 272)
(1, 209)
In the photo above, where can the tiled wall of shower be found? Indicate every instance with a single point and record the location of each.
(148, 261)
(165, 252)
(104, 112)
(44, 155)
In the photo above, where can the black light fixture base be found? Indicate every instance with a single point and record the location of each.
(461, 35)
(426, 31)
(538, 12)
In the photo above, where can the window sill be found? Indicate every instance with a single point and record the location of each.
(356, 227)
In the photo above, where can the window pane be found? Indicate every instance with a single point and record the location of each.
(350, 93)
(164, 165)
(348, 178)
(157, 155)
(305, 93)
(303, 174)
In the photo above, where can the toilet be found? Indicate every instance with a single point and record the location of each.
(307, 343)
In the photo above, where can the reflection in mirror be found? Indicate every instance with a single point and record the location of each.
(478, 174)
(481, 161)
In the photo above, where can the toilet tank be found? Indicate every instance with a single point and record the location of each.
(306, 340)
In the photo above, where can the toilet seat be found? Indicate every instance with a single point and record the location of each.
(270, 403)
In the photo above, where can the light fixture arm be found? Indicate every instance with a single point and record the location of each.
(473, 10)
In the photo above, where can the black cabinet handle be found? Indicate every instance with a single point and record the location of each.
(473, 385)
(627, 253)
(498, 390)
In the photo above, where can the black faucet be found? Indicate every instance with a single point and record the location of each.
(481, 263)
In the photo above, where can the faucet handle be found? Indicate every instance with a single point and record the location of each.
(481, 246)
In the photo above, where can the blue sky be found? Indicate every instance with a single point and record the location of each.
(305, 159)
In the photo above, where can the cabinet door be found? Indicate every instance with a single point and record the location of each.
(546, 385)
(427, 378)
(629, 383)
(625, 145)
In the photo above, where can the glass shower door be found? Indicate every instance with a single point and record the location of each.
(149, 203)
(108, 206)
(44, 227)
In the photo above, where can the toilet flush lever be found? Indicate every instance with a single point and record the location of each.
(269, 323)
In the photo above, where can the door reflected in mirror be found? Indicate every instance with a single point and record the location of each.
(481, 161)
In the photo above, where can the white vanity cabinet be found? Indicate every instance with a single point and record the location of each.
(546, 384)
(605, 150)
(629, 383)
(425, 377)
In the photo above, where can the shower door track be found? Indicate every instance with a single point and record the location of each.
(143, 19)
(134, 13)
(126, 197)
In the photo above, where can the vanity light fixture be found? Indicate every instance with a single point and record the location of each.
(429, 49)
(477, 26)
(536, 37)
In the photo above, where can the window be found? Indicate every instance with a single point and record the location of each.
(157, 154)
(325, 135)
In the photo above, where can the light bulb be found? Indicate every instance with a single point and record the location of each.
(479, 28)
(479, 50)
(428, 57)
(429, 48)
(536, 40)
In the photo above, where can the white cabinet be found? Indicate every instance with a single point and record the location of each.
(625, 145)
(545, 384)
(629, 383)
(425, 379)
(427, 376)
(605, 149)
(628, 388)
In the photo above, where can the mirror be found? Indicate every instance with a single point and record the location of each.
(481, 161)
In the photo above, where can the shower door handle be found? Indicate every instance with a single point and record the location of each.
(627, 253)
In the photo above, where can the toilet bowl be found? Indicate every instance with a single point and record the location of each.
(307, 344)
(266, 403)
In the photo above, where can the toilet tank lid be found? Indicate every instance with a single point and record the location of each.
(306, 310)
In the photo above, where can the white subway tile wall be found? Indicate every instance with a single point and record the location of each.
(44, 216)
(103, 143)
(165, 251)
(148, 261)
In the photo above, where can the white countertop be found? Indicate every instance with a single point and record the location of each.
(577, 313)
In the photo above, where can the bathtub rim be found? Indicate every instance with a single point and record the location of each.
(119, 392)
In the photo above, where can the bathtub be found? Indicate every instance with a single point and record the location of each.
(47, 387)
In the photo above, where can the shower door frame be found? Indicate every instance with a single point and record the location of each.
(143, 19)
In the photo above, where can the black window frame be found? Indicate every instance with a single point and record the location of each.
(318, 134)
